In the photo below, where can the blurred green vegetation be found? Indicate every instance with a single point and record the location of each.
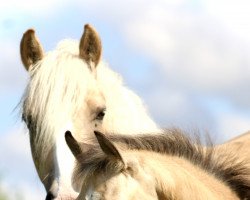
(15, 193)
(3, 194)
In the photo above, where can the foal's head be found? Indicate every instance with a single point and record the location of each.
(104, 172)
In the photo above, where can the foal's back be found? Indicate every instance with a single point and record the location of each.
(239, 146)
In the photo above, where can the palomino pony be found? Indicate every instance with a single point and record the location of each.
(71, 88)
(164, 166)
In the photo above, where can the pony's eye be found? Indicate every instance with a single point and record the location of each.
(100, 114)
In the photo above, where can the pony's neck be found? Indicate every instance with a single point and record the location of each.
(177, 178)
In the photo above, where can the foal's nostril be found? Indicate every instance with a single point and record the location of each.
(50, 196)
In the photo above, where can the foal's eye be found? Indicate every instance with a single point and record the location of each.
(100, 114)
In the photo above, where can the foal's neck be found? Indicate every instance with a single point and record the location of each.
(177, 178)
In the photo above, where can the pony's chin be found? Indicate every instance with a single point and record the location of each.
(66, 193)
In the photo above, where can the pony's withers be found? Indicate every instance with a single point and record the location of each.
(163, 166)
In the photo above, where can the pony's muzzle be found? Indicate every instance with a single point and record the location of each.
(50, 196)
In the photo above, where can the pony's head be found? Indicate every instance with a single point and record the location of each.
(71, 88)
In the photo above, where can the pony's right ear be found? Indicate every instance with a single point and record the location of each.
(73, 144)
(90, 48)
(30, 49)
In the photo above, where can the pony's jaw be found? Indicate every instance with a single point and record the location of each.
(67, 193)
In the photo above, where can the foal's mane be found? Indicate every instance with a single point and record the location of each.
(227, 168)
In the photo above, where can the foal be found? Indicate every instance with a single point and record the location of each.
(164, 166)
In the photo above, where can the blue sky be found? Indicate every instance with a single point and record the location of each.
(188, 60)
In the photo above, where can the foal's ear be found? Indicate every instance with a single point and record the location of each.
(90, 45)
(107, 146)
(73, 144)
(30, 49)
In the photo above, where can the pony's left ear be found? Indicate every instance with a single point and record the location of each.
(90, 46)
(30, 49)
(108, 147)
(73, 144)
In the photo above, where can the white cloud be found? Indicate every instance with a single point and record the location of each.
(197, 52)
(233, 14)
(175, 108)
(34, 8)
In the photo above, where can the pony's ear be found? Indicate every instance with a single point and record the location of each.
(30, 49)
(107, 146)
(73, 144)
(90, 46)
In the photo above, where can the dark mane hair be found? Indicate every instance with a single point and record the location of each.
(228, 168)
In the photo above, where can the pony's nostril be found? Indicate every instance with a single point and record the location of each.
(50, 196)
